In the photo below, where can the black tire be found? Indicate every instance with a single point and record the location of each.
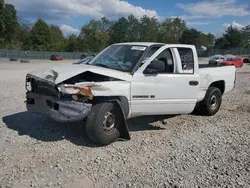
(212, 101)
(25, 61)
(246, 60)
(13, 59)
(95, 129)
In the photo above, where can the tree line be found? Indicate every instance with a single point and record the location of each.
(97, 34)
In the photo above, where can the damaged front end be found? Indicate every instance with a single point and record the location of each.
(67, 103)
(67, 94)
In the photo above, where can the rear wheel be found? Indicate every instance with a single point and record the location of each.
(103, 122)
(212, 101)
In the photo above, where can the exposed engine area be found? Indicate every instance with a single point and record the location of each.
(78, 88)
(89, 77)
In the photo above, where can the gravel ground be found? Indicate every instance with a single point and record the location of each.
(182, 151)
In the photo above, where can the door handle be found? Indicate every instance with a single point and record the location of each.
(193, 83)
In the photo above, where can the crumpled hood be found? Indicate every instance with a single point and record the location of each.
(63, 72)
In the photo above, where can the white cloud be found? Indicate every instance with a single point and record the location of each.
(196, 23)
(61, 9)
(69, 30)
(234, 24)
(213, 9)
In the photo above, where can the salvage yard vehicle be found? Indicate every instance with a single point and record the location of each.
(237, 62)
(56, 58)
(216, 59)
(246, 59)
(128, 80)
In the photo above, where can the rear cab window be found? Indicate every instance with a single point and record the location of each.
(187, 60)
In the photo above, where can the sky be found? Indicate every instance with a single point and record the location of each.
(70, 15)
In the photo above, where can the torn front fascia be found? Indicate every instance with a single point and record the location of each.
(61, 110)
(43, 97)
(41, 86)
(79, 90)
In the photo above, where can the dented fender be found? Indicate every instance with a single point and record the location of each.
(92, 90)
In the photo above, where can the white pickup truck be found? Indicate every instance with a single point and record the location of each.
(128, 80)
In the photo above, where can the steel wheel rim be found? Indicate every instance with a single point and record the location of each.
(213, 102)
(109, 123)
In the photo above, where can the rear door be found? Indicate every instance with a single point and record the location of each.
(172, 91)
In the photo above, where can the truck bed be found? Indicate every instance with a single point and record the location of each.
(211, 73)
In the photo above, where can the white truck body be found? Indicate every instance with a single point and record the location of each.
(177, 92)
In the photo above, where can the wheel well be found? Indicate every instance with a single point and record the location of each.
(120, 100)
(220, 85)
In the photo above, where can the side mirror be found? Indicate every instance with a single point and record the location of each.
(154, 67)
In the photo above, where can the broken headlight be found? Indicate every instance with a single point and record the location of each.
(28, 84)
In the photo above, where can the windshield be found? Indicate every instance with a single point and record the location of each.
(119, 57)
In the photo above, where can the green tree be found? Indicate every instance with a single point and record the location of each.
(118, 31)
(246, 36)
(171, 30)
(133, 29)
(149, 29)
(191, 36)
(234, 38)
(95, 35)
(1, 3)
(58, 42)
(26, 27)
(206, 40)
(21, 33)
(40, 36)
(72, 44)
(210, 39)
(8, 22)
(197, 38)
(220, 43)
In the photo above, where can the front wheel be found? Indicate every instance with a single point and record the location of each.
(102, 125)
(212, 101)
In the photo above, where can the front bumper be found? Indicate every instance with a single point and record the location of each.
(61, 110)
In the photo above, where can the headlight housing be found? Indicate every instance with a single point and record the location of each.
(28, 85)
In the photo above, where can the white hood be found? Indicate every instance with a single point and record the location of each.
(63, 72)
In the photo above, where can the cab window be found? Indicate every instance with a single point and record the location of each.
(167, 58)
(187, 60)
(150, 53)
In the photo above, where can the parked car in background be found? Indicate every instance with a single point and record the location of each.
(237, 62)
(56, 58)
(215, 60)
(246, 59)
(83, 56)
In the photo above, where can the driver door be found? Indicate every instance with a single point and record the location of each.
(170, 91)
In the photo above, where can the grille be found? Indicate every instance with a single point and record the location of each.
(41, 87)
